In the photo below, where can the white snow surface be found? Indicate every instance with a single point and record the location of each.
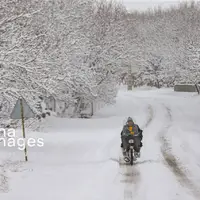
(80, 158)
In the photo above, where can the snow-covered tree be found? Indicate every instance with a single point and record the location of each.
(71, 50)
(164, 36)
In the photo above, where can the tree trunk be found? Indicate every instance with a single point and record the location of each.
(77, 110)
(197, 88)
(92, 108)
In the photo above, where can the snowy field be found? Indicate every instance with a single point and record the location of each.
(80, 159)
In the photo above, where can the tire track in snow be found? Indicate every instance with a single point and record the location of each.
(150, 116)
(172, 162)
(131, 174)
(131, 179)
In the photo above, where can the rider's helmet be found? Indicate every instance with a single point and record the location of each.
(130, 121)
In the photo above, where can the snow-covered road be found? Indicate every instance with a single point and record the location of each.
(80, 159)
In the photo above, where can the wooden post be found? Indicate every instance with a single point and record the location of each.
(23, 129)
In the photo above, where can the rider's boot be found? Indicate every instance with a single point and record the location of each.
(137, 154)
(124, 152)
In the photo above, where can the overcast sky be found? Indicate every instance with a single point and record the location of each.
(145, 4)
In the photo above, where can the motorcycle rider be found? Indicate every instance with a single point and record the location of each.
(132, 129)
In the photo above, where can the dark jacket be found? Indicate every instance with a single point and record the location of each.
(125, 131)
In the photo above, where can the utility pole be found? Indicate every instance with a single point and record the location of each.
(130, 81)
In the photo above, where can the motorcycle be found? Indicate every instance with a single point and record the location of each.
(129, 154)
